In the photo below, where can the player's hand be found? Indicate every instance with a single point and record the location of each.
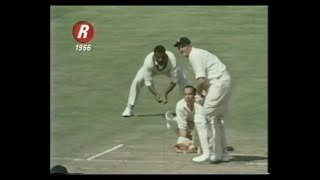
(158, 98)
(184, 145)
(184, 148)
(203, 93)
(165, 100)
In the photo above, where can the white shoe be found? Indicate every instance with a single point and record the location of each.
(127, 112)
(202, 158)
(225, 158)
(169, 117)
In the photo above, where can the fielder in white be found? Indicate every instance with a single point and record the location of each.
(214, 83)
(189, 113)
(158, 62)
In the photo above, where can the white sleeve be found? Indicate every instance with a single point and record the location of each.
(174, 69)
(181, 117)
(147, 70)
(198, 65)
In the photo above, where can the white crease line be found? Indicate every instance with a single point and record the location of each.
(109, 150)
(118, 160)
(73, 159)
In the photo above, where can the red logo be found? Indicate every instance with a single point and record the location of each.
(83, 32)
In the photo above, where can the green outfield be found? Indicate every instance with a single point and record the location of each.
(89, 90)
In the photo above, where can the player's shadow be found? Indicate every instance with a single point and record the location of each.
(142, 115)
(247, 158)
(243, 158)
(230, 148)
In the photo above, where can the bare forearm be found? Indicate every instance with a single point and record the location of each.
(170, 88)
(152, 89)
(183, 132)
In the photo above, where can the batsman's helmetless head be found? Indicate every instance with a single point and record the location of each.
(189, 94)
(160, 54)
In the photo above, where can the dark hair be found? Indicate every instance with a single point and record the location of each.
(193, 89)
(159, 49)
(58, 169)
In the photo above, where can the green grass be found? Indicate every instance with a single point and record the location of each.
(89, 90)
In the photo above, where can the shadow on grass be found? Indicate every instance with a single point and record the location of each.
(141, 115)
(230, 148)
(243, 158)
(247, 158)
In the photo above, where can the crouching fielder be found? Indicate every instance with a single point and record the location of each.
(158, 62)
(189, 123)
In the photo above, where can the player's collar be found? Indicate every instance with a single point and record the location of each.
(157, 65)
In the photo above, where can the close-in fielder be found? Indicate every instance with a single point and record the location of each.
(158, 62)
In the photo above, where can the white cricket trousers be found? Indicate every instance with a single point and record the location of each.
(138, 82)
(215, 107)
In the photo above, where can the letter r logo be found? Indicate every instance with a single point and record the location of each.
(83, 32)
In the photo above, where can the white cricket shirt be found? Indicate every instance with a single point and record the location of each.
(184, 114)
(205, 64)
(151, 68)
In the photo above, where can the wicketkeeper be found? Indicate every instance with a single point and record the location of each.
(189, 112)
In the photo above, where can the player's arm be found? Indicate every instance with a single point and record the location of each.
(183, 133)
(147, 68)
(182, 122)
(153, 91)
(202, 87)
(168, 90)
(200, 74)
(173, 75)
(184, 142)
